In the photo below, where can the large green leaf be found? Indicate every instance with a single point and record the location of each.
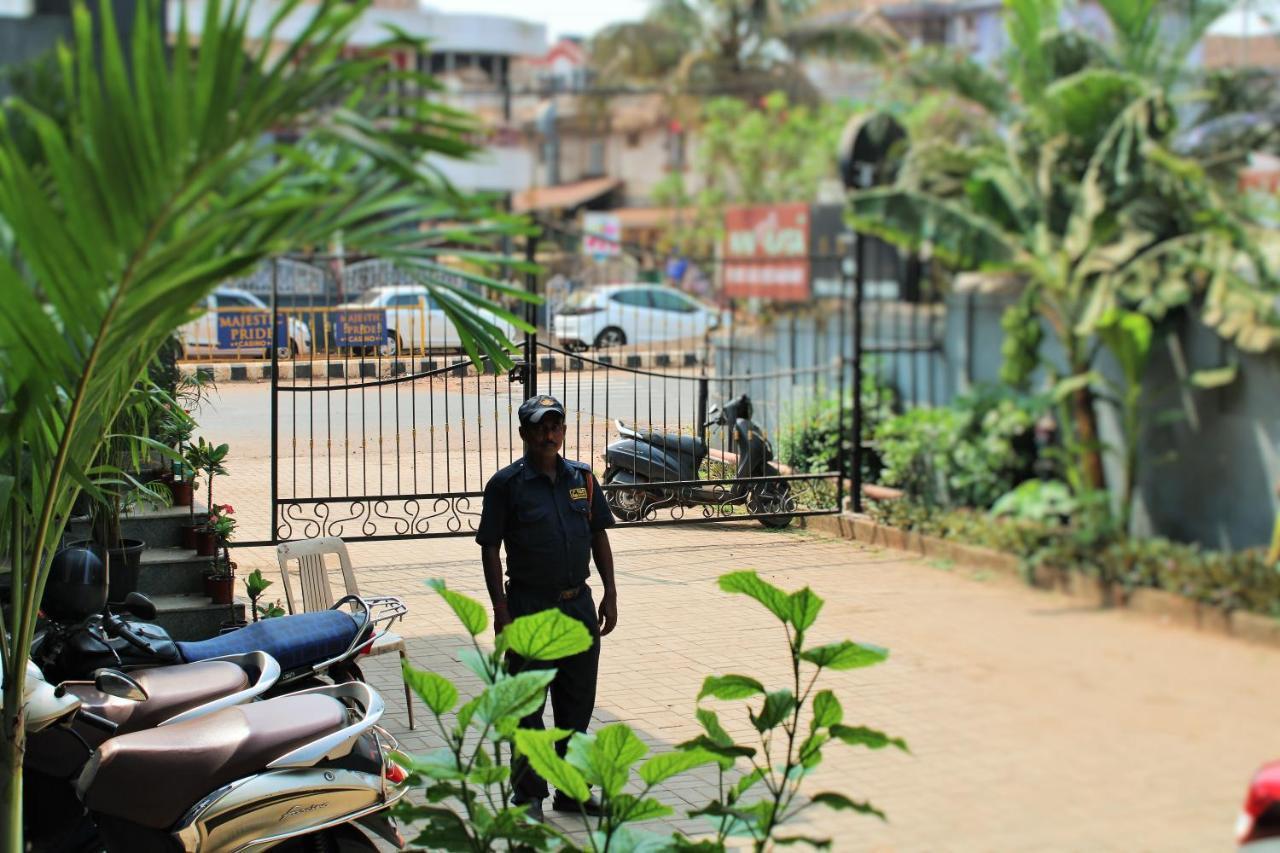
(840, 802)
(470, 612)
(805, 605)
(625, 807)
(750, 583)
(711, 723)
(870, 738)
(826, 710)
(436, 690)
(538, 746)
(438, 764)
(845, 655)
(547, 635)
(605, 758)
(777, 706)
(664, 766)
(515, 695)
(730, 687)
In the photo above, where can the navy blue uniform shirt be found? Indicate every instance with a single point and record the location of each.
(546, 526)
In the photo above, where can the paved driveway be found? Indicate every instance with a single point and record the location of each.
(1034, 724)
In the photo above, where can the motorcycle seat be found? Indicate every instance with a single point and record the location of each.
(294, 641)
(153, 777)
(171, 690)
(683, 445)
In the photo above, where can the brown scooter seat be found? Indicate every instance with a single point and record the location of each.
(171, 690)
(152, 777)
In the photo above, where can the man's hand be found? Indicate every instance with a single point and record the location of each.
(501, 618)
(608, 612)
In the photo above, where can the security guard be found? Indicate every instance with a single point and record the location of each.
(552, 516)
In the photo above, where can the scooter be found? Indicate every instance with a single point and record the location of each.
(1258, 826)
(81, 633)
(661, 469)
(66, 723)
(302, 771)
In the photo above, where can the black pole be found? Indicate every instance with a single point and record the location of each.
(275, 411)
(859, 279)
(531, 315)
(702, 408)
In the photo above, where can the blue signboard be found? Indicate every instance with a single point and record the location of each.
(248, 330)
(359, 328)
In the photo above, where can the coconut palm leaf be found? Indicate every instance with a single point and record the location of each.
(163, 178)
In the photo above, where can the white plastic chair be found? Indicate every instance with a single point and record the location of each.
(317, 591)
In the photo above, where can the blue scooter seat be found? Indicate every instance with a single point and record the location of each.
(295, 641)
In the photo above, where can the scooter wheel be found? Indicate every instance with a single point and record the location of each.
(627, 504)
(774, 498)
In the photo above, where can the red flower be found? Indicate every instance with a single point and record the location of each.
(228, 509)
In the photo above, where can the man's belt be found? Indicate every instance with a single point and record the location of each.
(570, 594)
(561, 595)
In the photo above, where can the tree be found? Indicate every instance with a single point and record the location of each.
(745, 48)
(1089, 194)
(774, 151)
(161, 182)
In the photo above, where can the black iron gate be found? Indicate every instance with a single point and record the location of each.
(374, 441)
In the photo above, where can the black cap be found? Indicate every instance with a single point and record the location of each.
(532, 410)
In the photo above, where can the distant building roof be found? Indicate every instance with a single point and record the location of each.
(563, 196)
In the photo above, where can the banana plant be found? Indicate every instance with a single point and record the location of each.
(165, 170)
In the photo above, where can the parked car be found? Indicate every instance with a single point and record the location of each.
(615, 314)
(415, 320)
(209, 336)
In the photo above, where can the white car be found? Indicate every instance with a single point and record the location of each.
(415, 321)
(616, 314)
(233, 324)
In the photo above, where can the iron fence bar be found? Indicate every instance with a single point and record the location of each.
(275, 403)
(531, 315)
(859, 281)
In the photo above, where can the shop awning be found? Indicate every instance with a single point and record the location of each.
(563, 196)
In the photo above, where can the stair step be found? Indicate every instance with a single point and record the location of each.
(165, 571)
(192, 616)
(159, 528)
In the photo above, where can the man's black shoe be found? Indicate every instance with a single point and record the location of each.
(562, 803)
(533, 810)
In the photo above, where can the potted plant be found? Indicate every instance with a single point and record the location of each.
(204, 459)
(174, 431)
(220, 581)
(254, 586)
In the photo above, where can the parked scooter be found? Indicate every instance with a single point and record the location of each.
(81, 634)
(302, 771)
(66, 723)
(667, 466)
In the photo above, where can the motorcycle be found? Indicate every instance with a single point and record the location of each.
(1258, 826)
(66, 723)
(81, 633)
(306, 771)
(662, 470)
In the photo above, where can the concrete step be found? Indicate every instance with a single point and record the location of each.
(191, 616)
(159, 528)
(166, 571)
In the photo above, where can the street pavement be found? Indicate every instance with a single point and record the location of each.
(1034, 723)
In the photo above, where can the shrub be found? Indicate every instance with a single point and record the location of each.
(474, 769)
(966, 454)
(812, 441)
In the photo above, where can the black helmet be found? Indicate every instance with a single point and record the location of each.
(77, 585)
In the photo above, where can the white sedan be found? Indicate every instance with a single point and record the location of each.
(235, 323)
(414, 320)
(616, 314)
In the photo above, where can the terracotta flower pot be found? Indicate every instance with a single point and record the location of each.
(182, 492)
(220, 589)
(206, 542)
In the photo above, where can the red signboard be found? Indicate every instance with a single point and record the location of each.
(766, 251)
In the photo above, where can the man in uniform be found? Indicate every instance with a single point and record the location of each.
(552, 516)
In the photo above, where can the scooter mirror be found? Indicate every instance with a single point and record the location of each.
(140, 606)
(113, 682)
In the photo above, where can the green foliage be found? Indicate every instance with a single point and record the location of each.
(1037, 500)
(750, 153)
(206, 459)
(474, 771)
(811, 441)
(965, 454)
(1023, 335)
(254, 586)
(1091, 541)
(151, 175)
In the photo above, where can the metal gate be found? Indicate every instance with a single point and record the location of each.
(382, 429)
